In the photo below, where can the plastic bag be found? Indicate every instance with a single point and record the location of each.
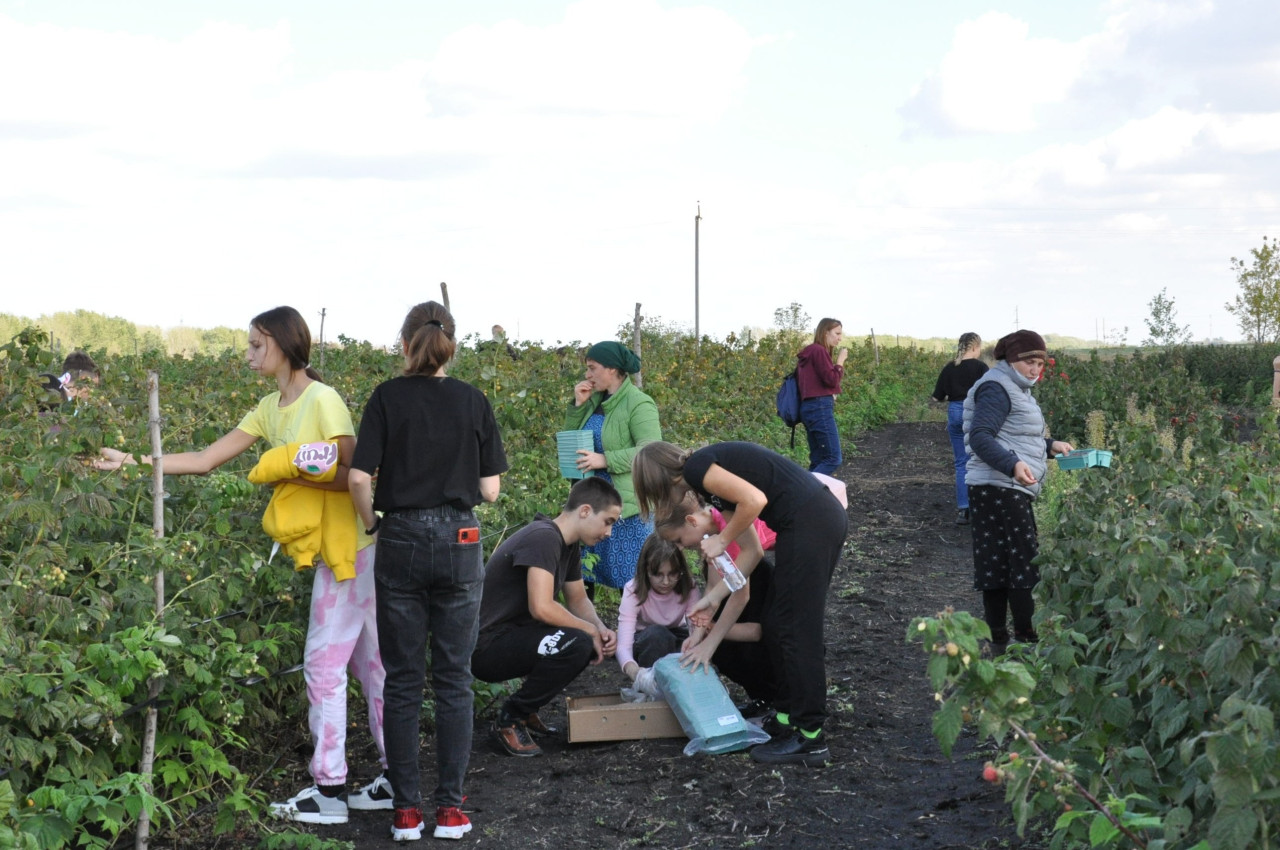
(644, 688)
(706, 713)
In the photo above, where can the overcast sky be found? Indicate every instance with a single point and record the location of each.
(921, 168)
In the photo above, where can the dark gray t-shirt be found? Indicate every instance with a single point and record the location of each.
(506, 591)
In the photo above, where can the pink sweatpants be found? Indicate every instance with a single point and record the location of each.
(343, 633)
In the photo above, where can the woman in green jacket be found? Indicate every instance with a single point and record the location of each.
(621, 419)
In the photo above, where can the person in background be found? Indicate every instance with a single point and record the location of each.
(1004, 431)
(621, 419)
(953, 385)
(525, 631)
(434, 444)
(79, 376)
(342, 631)
(819, 371)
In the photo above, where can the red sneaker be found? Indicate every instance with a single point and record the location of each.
(406, 825)
(451, 822)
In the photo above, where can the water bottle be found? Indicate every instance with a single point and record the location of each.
(728, 570)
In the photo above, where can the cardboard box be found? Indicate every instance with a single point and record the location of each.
(605, 717)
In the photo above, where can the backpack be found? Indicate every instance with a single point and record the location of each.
(788, 404)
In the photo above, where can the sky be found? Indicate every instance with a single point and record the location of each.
(923, 168)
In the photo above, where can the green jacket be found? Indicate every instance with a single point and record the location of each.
(630, 421)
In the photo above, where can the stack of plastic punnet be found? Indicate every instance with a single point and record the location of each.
(567, 445)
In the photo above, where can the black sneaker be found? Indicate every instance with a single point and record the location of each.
(962, 516)
(794, 748)
(756, 709)
(775, 727)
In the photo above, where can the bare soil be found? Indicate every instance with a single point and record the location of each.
(887, 786)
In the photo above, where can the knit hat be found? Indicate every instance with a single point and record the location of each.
(615, 355)
(1021, 345)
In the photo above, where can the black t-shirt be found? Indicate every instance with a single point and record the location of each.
(539, 545)
(785, 484)
(957, 379)
(430, 440)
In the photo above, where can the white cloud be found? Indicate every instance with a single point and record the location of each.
(996, 76)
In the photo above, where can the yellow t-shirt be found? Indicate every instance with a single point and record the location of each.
(318, 414)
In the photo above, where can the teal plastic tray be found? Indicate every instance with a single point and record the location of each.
(1084, 458)
(567, 445)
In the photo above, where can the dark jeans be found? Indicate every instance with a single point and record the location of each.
(549, 656)
(805, 558)
(955, 430)
(428, 586)
(819, 418)
(653, 642)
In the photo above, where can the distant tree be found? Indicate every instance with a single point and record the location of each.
(1257, 306)
(791, 319)
(1162, 326)
(1116, 337)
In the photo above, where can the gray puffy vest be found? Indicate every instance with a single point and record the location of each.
(1022, 432)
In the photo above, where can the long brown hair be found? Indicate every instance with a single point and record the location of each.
(287, 327)
(820, 335)
(427, 336)
(657, 474)
(653, 554)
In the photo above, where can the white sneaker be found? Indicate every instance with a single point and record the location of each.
(376, 795)
(310, 806)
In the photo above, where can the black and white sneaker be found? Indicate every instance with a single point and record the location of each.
(376, 795)
(795, 748)
(310, 806)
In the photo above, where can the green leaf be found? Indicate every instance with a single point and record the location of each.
(1233, 788)
(1101, 831)
(947, 723)
(1232, 829)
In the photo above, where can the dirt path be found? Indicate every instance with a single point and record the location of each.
(888, 785)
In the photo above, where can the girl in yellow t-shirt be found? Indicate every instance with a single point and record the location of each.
(342, 632)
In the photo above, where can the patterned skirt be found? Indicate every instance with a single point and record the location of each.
(1005, 541)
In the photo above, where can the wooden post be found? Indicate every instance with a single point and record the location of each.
(1275, 382)
(636, 346)
(444, 295)
(875, 344)
(157, 528)
(322, 312)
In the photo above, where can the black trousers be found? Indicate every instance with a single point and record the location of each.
(755, 666)
(805, 555)
(549, 658)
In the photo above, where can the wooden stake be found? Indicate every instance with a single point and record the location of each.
(157, 528)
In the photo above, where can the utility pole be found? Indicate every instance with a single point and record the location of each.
(322, 312)
(697, 328)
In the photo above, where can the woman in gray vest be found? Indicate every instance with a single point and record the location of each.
(1004, 433)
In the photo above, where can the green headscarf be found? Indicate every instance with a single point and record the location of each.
(615, 355)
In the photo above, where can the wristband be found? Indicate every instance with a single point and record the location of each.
(372, 531)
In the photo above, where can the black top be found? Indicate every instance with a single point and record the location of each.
(957, 379)
(786, 485)
(430, 440)
(539, 545)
